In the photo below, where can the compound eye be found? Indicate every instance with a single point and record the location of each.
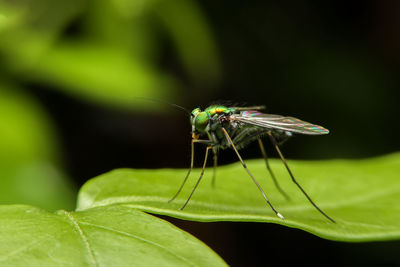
(195, 112)
(201, 121)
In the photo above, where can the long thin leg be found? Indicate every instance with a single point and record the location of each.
(215, 158)
(188, 173)
(191, 166)
(198, 180)
(252, 177)
(292, 176)
(260, 143)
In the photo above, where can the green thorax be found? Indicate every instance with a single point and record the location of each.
(201, 119)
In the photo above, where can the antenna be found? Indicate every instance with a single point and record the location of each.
(166, 102)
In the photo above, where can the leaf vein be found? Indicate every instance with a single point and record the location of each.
(73, 222)
(139, 238)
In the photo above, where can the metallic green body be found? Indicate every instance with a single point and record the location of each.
(200, 119)
(209, 122)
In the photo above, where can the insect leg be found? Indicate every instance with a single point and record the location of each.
(260, 143)
(215, 158)
(252, 177)
(198, 180)
(191, 166)
(292, 176)
(253, 136)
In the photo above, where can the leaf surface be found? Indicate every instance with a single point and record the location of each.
(106, 236)
(363, 196)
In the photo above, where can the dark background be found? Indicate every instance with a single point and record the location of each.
(334, 63)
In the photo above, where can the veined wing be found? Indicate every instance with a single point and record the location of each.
(249, 108)
(271, 121)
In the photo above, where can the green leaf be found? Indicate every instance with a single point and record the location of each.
(193, 38)
(113, 57)
(30, 29)
(106, 236)
(363, 196)
(29, 171)
(37, 183)
(25, 131)
(102, 74)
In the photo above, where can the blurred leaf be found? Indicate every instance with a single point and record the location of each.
(130, 9)
(87, 68)
(21, 50)
(107, 236)
(41, 15)
(110, 54)
(123, 25)
(363, 196)
(7, 17)
(28, 155)
(32, 27)
(25, 130)
(36, 183)
(102, 74)
(129, 24)
(193, 38)
(12, 15)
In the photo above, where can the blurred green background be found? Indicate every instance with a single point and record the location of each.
(75, 77)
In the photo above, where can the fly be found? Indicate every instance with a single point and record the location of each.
(221, 127)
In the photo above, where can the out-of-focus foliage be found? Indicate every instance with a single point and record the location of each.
(29, 164)
(108, 50)
(97, 79)
(105, 51)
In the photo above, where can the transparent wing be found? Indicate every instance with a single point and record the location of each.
(249, 108)
(271, 121)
